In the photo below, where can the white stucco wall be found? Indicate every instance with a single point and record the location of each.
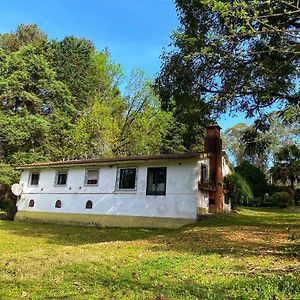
(226, 169)
(181, 199)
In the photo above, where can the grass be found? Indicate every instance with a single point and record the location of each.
(253, 254)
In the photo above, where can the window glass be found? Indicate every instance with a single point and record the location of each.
(156, 181)
(31, 203)
(204, 174)
(58, 204)
(89, 204)
(127, 178)
(91, 177)
(226, 199)
(34, 178)
(61, 178)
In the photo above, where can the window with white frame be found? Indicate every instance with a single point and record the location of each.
(61, 177)
(91, 177)
(126, 179)
(34, 178)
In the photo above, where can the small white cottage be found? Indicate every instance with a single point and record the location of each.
(168, 190)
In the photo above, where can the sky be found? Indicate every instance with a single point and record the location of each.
(134, 31)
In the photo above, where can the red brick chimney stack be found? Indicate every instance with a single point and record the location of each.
(213, 145)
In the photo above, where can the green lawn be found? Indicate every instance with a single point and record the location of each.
(250, 255)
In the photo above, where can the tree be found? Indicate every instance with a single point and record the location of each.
(239, 190)
(255, 178)
(24, 35)
(236, 55)
(8, 176)
(247, 142)
(287, 166)
(143, 125)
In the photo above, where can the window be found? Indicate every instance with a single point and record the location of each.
(31, 203)
(61, 178)
(34, 178)
(127, 179)
(204, 174)
(89, 204)
(156, 181)
(226, 199)
(58, 204)
(91, 177)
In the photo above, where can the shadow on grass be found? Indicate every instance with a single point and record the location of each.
(248, 233)
(78, 235)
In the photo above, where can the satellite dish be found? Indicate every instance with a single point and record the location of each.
(17, 189)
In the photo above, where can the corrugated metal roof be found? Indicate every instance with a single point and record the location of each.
(93, 161)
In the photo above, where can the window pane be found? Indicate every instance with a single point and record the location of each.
(62, 178)
(92, 177)
(204, 174)
(35, 178)
(156, 181)
(127, 178)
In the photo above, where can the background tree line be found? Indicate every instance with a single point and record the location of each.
(61, 99)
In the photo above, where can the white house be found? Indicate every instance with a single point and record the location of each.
(168, 190)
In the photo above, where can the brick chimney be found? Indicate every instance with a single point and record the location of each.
(213, 145)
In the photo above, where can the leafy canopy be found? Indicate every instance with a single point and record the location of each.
(233, 55)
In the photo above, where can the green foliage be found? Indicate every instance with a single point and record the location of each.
(239, 190)
(8, 176)
(143, 125)
(60, 99)
(234, 56)
(259, 141)
(24, 35)
(286, 168)
(255, 178)
(281, 200)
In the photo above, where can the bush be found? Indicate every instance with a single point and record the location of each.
(255, 178)
(239, 190)
(281, 200)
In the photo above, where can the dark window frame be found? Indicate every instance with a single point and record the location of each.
(57, 177)
(226, 199)
(86, 178)
(156, 193)
(118, 182)
(31, 203)
(30, 178)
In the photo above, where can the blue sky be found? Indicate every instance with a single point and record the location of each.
(134, 31)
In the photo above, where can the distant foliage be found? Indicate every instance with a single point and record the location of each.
(239, 190)
(286, 169)
(259, 142)
(281, 200)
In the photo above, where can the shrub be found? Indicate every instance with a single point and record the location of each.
(239, 190)
(281, 199)
(255, 178)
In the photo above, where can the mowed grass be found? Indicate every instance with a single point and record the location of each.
(253, 254)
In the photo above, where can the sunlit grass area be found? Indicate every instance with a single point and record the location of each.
(253, 254)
